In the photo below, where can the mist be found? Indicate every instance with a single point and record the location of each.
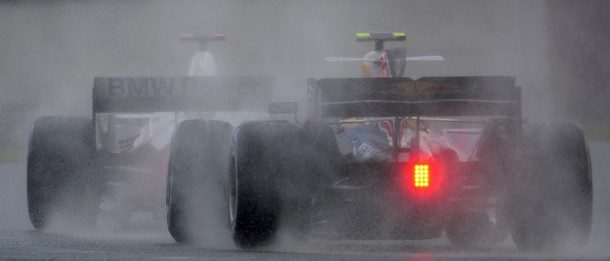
(50, 52)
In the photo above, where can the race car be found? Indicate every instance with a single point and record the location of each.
(83, 170)
(493, 174)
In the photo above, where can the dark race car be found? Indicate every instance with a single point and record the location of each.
(387, 158)
(493, 175)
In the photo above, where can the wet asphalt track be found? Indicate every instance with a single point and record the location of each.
(19, 240)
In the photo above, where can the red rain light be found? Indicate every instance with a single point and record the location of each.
(424, 176)
(421, 175)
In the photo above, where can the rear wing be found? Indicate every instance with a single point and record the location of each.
(405, 97)
(171, 94)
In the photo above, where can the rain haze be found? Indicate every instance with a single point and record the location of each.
(51, 51)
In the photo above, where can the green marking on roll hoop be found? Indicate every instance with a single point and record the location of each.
(363, 35)
(399, 34)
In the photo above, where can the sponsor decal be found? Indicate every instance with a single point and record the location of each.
(187, 87)
(366, 151)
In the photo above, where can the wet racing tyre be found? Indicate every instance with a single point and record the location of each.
(318, 156)
(320, 145)
(63, 182)
(259, 161)
(553, 194)
(196, 183)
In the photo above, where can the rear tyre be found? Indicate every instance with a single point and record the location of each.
(321, 150)
(321, 157)
(552, 203)
(62, 172)
(259, 163)
(196, 181)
